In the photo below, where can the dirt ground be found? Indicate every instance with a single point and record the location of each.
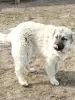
(57, 12)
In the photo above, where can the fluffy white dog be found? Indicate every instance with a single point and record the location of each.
(48, 41)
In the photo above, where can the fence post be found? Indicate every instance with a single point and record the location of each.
(17, 1)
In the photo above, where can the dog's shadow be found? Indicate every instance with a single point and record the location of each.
(65, 78)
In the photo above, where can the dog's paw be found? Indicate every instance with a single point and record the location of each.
(23, 83)
(33, 70)
(54, 81)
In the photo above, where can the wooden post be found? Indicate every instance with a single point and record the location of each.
(17, 1)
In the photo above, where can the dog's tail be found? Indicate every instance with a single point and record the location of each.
(4, 39)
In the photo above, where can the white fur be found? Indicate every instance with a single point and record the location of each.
(30, 38)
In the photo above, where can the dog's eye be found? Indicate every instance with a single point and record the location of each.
(63, 38)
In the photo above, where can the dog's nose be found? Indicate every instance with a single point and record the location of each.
(59, 46)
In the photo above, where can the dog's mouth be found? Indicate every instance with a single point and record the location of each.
(56, 48)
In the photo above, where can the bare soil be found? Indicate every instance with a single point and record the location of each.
(57, 12)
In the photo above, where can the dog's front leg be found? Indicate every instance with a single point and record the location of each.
(50, 67)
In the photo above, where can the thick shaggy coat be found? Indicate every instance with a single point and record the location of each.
(46, 41)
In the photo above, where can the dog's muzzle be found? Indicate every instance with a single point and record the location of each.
(58, 46)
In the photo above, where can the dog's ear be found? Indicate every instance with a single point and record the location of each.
(73, 41)
(73, 36)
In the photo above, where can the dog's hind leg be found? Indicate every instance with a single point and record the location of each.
(19, 73)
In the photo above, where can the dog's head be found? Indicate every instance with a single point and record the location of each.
(62, 39)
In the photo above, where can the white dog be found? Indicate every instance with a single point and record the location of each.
(48, 41)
